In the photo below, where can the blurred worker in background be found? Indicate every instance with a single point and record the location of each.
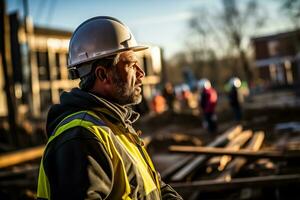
(93, 151)
(185, 96)
(158, 103)
(169, 95)
(208, 101)
(235, 97)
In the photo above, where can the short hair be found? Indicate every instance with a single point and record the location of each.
(88, 81)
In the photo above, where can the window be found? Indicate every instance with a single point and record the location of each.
(43, 65)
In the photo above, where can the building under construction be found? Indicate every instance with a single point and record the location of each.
(33, 71)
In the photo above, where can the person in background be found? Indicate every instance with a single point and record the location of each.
(158, 103)
(235, 97)
(185, 96)
(93, 152)
(208, 101)
(169, 95)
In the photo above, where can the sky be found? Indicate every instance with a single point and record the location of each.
(153, 22)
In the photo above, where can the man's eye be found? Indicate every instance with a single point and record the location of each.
(133, 65)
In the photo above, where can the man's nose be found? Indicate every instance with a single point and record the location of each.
(139, 72)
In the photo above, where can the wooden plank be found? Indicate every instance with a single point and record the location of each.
(227, 136)
(242, 152)
(17, 157)
(20, 170)
(172, 169)
(235, 166)
(236, 183)
(200, 159)
(17, 184)
(235, 144)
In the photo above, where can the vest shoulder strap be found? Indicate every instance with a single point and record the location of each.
(86, 119)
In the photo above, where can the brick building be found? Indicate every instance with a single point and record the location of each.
(277, 58)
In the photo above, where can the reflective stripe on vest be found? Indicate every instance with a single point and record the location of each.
(96, 125)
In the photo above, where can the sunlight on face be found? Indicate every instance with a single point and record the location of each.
(127, 79)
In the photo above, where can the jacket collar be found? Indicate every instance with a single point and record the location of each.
(124, 114)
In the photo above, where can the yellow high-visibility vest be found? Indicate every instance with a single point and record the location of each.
(122, 148)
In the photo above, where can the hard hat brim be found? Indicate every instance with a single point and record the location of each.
(109, 53)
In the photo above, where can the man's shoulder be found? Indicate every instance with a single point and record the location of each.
(77, 125)
(69, 136)
(80, 117)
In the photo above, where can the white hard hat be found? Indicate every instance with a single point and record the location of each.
(204, 83)
(97, 38)
(185, 87)
(235, 82)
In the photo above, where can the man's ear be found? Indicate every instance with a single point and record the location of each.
(101, 73)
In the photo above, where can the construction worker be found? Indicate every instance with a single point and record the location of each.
(93, 152)
(208, 101)
(158, 103)
(235, 97)
(170, 96)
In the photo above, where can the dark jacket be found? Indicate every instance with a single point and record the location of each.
(234, 97)
(75, 163)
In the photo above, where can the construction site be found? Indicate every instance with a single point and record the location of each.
(253, 154)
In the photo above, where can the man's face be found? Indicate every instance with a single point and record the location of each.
(127, 79)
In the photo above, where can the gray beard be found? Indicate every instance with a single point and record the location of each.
(123, 95)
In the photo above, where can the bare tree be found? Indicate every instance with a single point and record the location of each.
(292, 9)
(203, 25)
(230, 28)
